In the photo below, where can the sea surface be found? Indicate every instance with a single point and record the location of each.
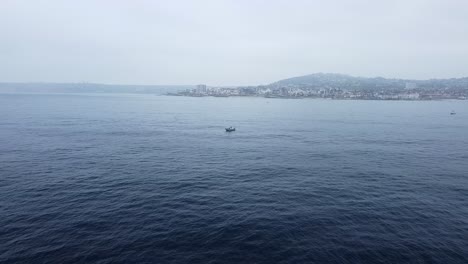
(156, 179)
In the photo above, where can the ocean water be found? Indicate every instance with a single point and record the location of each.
(155, 179)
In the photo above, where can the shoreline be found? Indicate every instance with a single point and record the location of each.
(321, 98)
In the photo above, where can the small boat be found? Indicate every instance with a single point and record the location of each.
(453, 113)
(230, 129)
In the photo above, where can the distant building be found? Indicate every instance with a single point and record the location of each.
(411, 96)
(201, 88)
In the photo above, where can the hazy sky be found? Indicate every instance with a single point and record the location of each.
(237, 42)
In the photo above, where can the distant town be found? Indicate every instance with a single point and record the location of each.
(318, 85)
(338, 86)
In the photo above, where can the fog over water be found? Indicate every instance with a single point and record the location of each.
(230, 42)
(127, 134)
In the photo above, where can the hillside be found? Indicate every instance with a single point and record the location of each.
(342, 81)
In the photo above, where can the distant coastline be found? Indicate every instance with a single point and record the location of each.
(44, 87)
(318, 85)
(345, 87)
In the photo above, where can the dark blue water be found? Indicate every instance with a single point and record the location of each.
(154, 179)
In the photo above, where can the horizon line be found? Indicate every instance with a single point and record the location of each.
(195, 84)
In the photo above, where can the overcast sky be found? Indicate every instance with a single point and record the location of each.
(237, 42)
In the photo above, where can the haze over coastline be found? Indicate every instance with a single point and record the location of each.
(234, 131)
(317, 85)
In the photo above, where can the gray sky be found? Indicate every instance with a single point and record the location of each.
(237, 42)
